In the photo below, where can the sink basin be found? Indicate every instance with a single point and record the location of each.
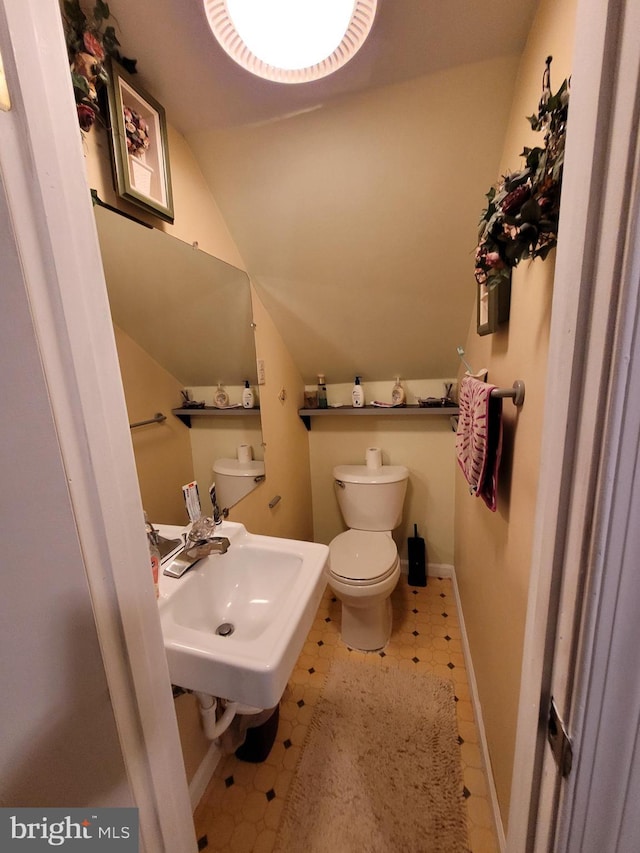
(235, 623)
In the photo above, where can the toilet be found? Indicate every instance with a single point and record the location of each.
(235, 478)
(364, 567)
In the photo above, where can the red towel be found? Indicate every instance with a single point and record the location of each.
(479, 438)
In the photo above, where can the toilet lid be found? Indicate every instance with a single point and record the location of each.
(235, 468)
(362, 555)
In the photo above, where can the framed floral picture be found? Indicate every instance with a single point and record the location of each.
(139, 147)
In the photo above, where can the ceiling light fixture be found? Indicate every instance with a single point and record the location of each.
(291, 41)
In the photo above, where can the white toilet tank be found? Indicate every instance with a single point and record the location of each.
(235, 479)
(371, 498)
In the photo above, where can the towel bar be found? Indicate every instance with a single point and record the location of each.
(516, 392)
(156, 419)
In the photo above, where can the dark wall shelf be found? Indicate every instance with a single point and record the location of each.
(185, 415)
(376, 411)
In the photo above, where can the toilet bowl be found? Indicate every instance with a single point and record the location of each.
(363, 567)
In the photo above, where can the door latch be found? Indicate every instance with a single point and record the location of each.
(559, 741)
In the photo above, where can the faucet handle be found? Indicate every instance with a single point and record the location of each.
(217, 514)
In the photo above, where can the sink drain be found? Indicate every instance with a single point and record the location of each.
(226, 629)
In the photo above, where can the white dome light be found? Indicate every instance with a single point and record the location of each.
(291, 41)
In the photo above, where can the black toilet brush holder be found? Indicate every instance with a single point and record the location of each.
(417, 559)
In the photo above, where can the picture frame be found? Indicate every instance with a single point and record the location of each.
(493, 304)
(139, 146)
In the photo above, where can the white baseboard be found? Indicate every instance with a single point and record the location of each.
(203, 774)
(434, 570)
(440, 570)
(475, 699)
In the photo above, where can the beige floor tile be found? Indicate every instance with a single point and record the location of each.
(265, 777)
(243, 838)
(479, 812)
(265, 841)
(475, 780)
(471, 756)
(482, 841)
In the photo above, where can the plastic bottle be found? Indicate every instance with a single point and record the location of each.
(357, 395)
(247, 395)
(322, 392)
(397, 394)
(154, 553)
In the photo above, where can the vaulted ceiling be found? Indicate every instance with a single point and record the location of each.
(354, 200)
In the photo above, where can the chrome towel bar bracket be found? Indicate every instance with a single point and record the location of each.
(158, 418)
(516, 392)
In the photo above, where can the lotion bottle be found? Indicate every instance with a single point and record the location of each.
(322, 392)
(357, 395)
(247, 395)
(397, 394)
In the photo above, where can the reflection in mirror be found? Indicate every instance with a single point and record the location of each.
(182, 320)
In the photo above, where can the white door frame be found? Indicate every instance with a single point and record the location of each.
(51, 217)
(599, 802)
(594, 296)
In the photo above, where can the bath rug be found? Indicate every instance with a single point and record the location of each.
(380, 769)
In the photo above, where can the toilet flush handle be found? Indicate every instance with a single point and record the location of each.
(340, 483)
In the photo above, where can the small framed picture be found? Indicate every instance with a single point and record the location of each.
(494, 303)
(139, 146)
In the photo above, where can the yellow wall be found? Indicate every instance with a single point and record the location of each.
(425, 444)
(492, 550)
(338, 212)
(162, 451)
(425, 447)
(286, 449)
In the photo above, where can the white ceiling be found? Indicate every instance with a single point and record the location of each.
(183, 66)
(354, 200)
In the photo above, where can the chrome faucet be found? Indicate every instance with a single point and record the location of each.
(217, 544)
(193, 551)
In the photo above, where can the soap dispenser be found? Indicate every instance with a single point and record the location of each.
(247, 395)
(397, 394)
(357, 395)
(322, 392)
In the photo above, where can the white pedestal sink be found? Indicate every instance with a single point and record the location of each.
(261, 597)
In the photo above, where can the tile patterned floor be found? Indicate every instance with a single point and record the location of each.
(242, 806)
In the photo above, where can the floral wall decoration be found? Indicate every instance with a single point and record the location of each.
(90, 40)
(521, 217)
(137, 130)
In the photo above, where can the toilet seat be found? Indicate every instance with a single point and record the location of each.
(362, 557)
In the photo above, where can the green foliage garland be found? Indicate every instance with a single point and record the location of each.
(89, 42)
(521, 217)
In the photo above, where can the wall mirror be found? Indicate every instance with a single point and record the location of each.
(191, 313)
